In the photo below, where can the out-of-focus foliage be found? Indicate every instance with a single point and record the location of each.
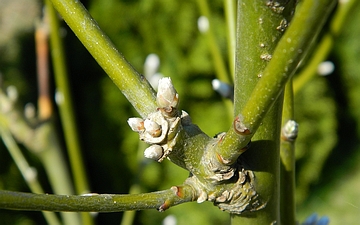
(317, 136)
(327, 109)
(334, 189)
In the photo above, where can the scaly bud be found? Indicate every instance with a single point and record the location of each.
(136, 124)
(152, 128)
(154, 152)
(167, 96)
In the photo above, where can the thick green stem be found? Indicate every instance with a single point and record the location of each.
(292, 47)
(160, 200)
(133, 85)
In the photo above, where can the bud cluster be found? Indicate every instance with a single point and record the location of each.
(161, 128)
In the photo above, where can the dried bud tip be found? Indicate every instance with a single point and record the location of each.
(167, 95)
(240, 127)
(136, 124)
(202, 197)
(152, 128)
(154, 152)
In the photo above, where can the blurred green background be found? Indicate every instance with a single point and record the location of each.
(327, 108)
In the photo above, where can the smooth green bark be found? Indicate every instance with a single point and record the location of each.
(160, 200)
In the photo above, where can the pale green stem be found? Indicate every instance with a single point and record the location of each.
(160, 200)
(287, 154)
(129, 216)
(230, 10)
(65, 104)
(27, 172)
(325, 45)
(56, 167)
(133, 85)
(219, 64)
(42, 141)
(215, 52)
(292, 47)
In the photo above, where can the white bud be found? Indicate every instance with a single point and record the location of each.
(59, 97)
(167, 95)
(136, 124)
(325, 68)
(222, 88)
(29, 111)
(203, 24)
(154, 152)
(151, 65)
(290, 130)
(169, 220)
(30, 174)
(154, 80)
(152, 128)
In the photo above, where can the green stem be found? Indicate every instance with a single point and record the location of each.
(292, 47)
(287, 153)
(128, 217)
(160, 200)
(325, 45)
(230, 9)
(42, 141)
(219, 64)
(25, 170)
(65, 105)
(133, 85)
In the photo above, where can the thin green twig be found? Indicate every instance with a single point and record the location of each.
(325, 45)
(230, 10)
(215, 52)
(160, 200)
(27, 172)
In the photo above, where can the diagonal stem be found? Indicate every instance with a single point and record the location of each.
(133, 85)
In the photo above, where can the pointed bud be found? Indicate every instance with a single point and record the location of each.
(167, 96)
(152, 128)
(136, 124)
(154, 152)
